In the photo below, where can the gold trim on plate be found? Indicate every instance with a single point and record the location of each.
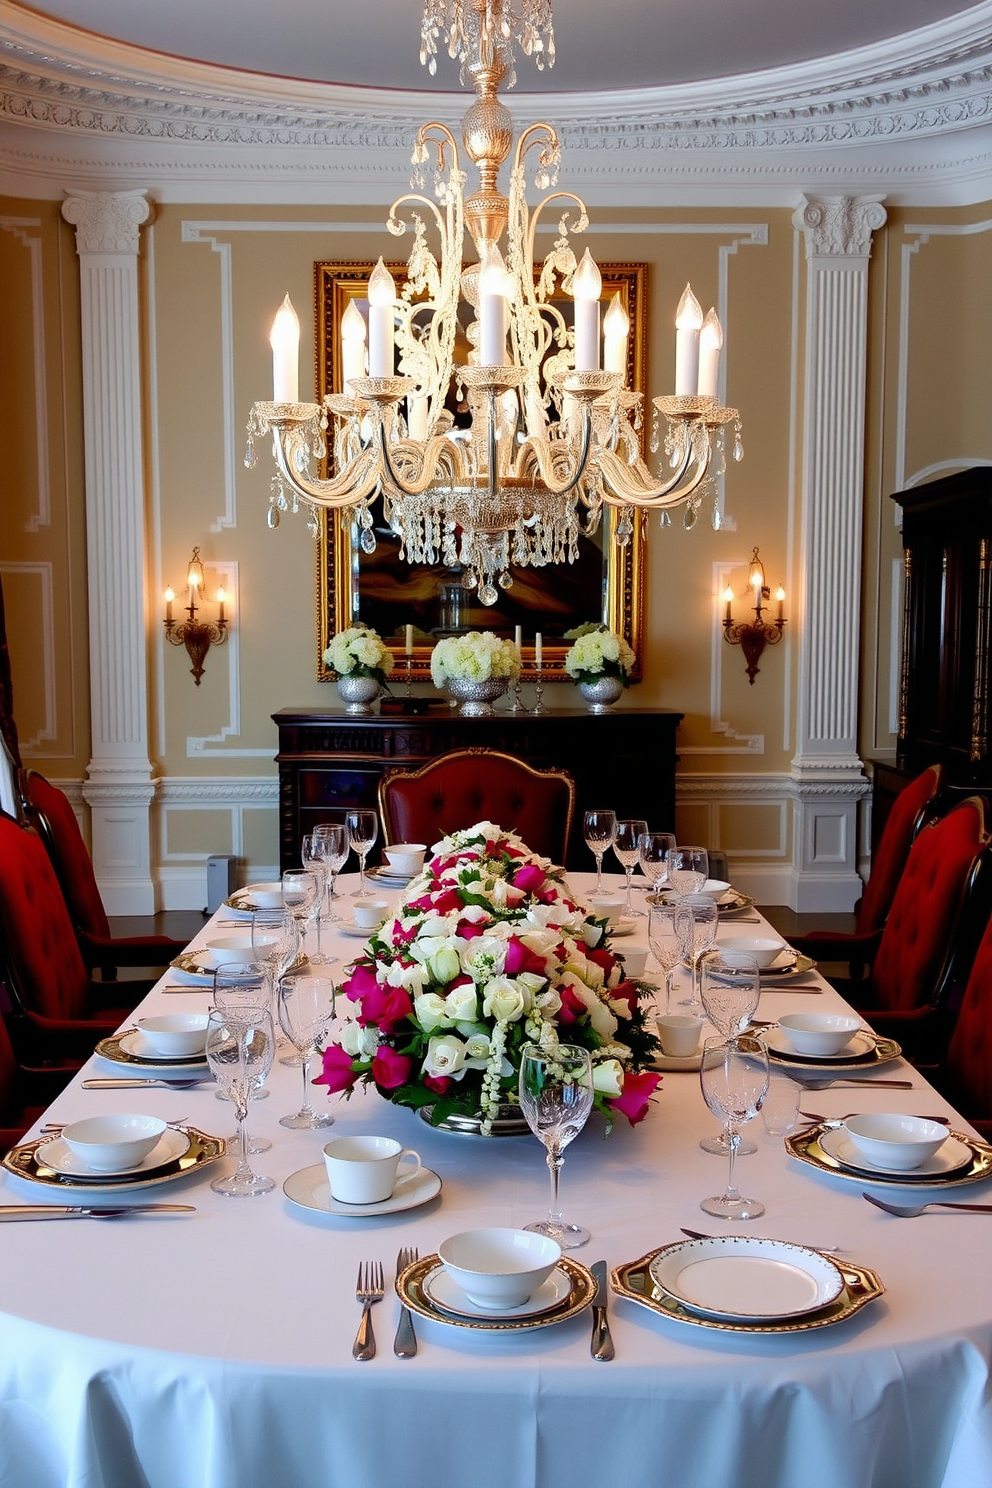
(805, 1145)
(110, 1048)
(409, 1289)
(884, 1052)
(203, 1150)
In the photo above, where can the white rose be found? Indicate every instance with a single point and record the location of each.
(607, 1077)
(359, 1042)
(461, 1004)
(410, 978)
(430, 1012)
(478, 1048)
(602, 1020)
(484, 957)
(548, 1002)
(445, 1056)
(444, 965)
(592, 935)
(504, 1000)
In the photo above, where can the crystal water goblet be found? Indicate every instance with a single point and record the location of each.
(240, 1044)
(599, 829)
(705, 918)
(246, 985)
(670, 936)
(306, 1007)
(653, 850)
(299, 897)
(688, 869)
(556, 1098)
(626, 846)
(729, 986)
(313, 862)
(363, 829)
(331, 842)
(733, 1076)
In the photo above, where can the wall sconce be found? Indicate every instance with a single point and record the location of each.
(754, 635)
(196, 635)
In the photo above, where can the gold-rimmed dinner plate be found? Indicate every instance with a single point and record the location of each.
(877, 1051)
(23, 1162)
(951, 1157)
(806, 1145)
(732, 902)
(56, 1153)
(200, 966)
(128, 1047)
(635, 1282)
(411, 1290)
(790, 964)
(743, 1278)
(441, 1288)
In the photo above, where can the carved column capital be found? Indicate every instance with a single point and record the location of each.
(839, 226)
(106, 221)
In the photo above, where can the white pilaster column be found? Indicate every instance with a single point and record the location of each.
(119, 786)
(826, 768)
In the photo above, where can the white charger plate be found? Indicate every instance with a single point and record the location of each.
(862, 1044)
(744, 1279)
(310, 1189)
(441, 1288)
(950, 1157)
(57, 1154)
(135, 1043)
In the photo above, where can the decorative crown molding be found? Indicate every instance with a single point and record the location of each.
(106, 221)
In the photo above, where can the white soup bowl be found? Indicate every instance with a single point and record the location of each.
(764, 949)
(108, 1144)
(265, 895)
(406, 857)
(498, 1268)
(819, 1035)
(231, 950)
(173, 1035)
(889, 1140)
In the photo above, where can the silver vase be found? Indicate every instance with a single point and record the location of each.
(475, 699)
(601, 694)
(358, 693)
(509, 1123)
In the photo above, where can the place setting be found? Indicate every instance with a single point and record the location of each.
(166, 1045)
(113, 1153)
(893, 1149)
(827, 1043)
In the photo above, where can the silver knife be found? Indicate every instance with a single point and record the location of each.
(602, 1342)
(139, 1084)
(75, 1211)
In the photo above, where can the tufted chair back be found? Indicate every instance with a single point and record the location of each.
(471, 785)
(915, 953)
(55, 820)
(889, 859)
(43, 961)
(966, 1077)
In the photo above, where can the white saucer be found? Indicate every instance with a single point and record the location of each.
(861, 1045)
(138, 1047)
(57, 1154)
(677, 1061)
(358, 932)
(310, 1189)
(625, 927)
(950, 1157)
(390, 880)
(442, 1289)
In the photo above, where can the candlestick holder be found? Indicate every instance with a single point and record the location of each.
(516, 705)
(539, 696)
(409, 673)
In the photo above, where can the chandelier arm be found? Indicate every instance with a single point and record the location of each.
(541, 451)
(620, 491)
(438, 459)
(413, 198)
(528, 139)
(353, 485)
(443, 137)
(535, 215)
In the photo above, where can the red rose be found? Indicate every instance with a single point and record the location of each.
(470, 929)
(635, 1096)
(361, 982)
(385, 1006)
(440, 1084)
(389, 1068)
(530, 878)
(602, 958)
(521, 958)
(446, 901)
(572, 1006)
(338, 1073)
(628, 992)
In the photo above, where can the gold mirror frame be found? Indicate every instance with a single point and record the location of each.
(335, 285)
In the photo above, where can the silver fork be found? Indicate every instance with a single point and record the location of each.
(911, 1211)
(825, 1082)
(405, 1342)
(369, 1289)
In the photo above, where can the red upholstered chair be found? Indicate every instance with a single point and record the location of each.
(58, 1010)
(471, 785)
(938, 914)
(911, 808)
(51, 813)
(24, 1094)
(965, 1074)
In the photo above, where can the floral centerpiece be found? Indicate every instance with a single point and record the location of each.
(600, 661)
(362, 662)
(488, 952)
(475, 668)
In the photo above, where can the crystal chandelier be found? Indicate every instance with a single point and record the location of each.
(554, 429)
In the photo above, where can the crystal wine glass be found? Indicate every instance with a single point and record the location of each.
(556, 1098)
(299, 897)
(729, 985)
(247, 984)
(688, 869)
(275, 940)
(306, 1007)
(653, 850)
(670, 936)
(313, 861)
(240, 1043)
(626, 845)
(599, 829)
(363, 828)
(733, 1074)
(705, 918)
(331, 842)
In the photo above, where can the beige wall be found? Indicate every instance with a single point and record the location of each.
(211, 279)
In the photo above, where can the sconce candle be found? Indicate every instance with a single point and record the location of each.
(382, 294)
(221, 599)
(195, 634)
(284, 339)
(170, 595)
(754, 635)
(538, 650)
(353, 338)
(710, 343)
(688, 324)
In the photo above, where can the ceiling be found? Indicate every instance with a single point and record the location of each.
(623, 44)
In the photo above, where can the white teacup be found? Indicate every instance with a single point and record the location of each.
(365, 1170)
(607, 907)
(635, 959)
(370, 913)
(679, 1034)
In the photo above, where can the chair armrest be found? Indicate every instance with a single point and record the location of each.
(129, 950)
(826, 945)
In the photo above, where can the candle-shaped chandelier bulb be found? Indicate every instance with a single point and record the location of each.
(688, 324)
(382, 293)
(284, 338)
(494, 290)
(353, 337)
(587, 286)
(710, 344)
(616, 329)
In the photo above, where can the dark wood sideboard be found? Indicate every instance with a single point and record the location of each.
(331, 761)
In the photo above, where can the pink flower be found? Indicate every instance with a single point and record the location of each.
(470, 929)
(530, 878)
(628, 992)
(338, 1073)
(361, 982)
(390, 1068)
(446, 901)
(520, 958)
(385, 1006)
(440, 1084)
(572, 1006)
(633, 1100)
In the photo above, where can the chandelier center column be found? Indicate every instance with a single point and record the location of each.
(827, 768)
(119, 786)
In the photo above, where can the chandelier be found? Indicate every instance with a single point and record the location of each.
(554, 430)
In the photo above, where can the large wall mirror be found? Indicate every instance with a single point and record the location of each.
(606, 584)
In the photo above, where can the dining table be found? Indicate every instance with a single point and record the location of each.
(213, 1348)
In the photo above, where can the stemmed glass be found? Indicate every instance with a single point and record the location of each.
(275, 940)
(245, 985)
(688, 869)
(300, 896)
(670, 936)
(653, 849)
(331, 843)
(239, 1052)
(705, 918)
(306, 1007)
(626, 845)
(733, 1074)
(314, 862)
(363, 828)
(599, 829)
(729, 985)
(556, 1098)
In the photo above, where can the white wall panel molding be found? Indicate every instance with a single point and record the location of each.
(32, 746)
(764, 872)
(229, 516)
(119, 785)
(181, 883)
(26, 231)
(912, 116)
(218, 790)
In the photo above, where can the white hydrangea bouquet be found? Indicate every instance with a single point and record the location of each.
(487, 953)
(476, 657)
(359, 652)
(599, 652)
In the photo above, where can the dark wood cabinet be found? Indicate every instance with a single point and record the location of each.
(331, 761)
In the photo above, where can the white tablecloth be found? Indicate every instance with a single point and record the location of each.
(215, 1350)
